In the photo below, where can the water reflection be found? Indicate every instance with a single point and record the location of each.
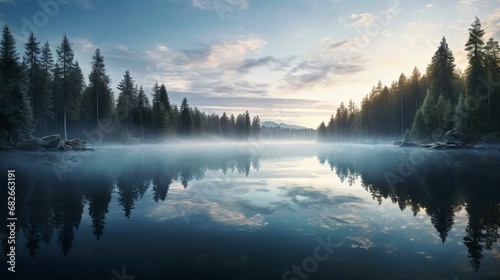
(439, 183)
(54, 190)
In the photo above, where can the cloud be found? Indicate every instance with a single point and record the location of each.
(84, 44)
(220, 4)
(320, 71)
(427, 7)
(492, 24)
(251, 63)
(122, 47)
(213, 68)
(365, 19)
(467, 6)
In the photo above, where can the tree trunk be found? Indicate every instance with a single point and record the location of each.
(97, 104)
(65, 131)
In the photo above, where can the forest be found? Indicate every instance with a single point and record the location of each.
(42, 94)
(445, 103)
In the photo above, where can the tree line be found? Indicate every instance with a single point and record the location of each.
(41, 95)
(444, 102)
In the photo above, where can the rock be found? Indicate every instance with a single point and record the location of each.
(444, 145)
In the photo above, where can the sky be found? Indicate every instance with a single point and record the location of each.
(290, 61)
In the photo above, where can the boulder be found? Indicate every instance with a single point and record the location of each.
(75, 144)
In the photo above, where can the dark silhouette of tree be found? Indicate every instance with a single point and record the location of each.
(98, 191)
(98, 103)
(143, 112)
(68, 210)
(477, 118)
(15, 112)
(256, 127)
(492, 52)
(185, 119)
(67, 85)
(126, 102)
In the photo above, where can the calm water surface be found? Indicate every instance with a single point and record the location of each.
(254, 211)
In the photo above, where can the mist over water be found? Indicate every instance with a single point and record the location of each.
(255, 210)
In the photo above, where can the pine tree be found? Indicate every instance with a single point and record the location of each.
(232, 125)
(430, 111)
(15, 112)
(32, 62)
(256, 127)
(126, 102)
(476, 75)
(185, 121)
(445, 113)
(248, 125)
(493, 69)
(98, 96)
(45, 86)
(37, 71)
(68, 84)
(164, 100)
(419, 129)
(441, 73)
(461, 117)
(143, 112)
(322, 132)
(225, 125)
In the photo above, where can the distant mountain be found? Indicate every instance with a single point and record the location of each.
(283, 125)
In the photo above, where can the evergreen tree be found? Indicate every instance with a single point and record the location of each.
(38, 78)
(441, 73)
(15, 113)
(164, 100)
(430, 111)
(232, 125)
(461, 116)
(445, 113)
(163, 115)
(493, 69)
(225, 125)
(419, 129)
(126, 102)
(256, 127)
(476, 75)
(248, 125)
(45, 87)
(322, 132)
(32, 62)
(98, 96)
(143, 112)
(185, 120)
(67, 85)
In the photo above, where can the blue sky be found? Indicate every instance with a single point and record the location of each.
(289, 61)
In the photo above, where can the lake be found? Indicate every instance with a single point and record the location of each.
(254, 211)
